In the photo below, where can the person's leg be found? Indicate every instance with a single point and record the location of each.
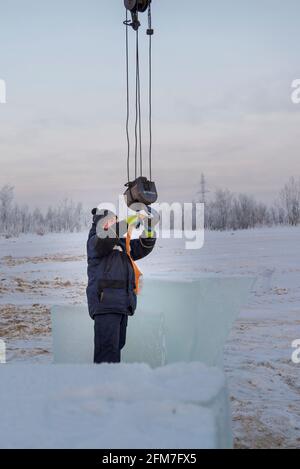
(123, 328)
(107, 338)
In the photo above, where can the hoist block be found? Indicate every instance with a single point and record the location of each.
(137, 5)
(141, 191)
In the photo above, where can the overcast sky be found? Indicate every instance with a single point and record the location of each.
(222, 84)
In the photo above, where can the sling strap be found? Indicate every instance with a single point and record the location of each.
(137, 272)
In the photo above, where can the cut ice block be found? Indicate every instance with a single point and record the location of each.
(175, 321)
(113, 406)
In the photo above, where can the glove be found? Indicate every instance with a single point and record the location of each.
(152, 219)
(133, 220)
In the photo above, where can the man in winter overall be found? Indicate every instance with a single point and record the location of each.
(112, 280)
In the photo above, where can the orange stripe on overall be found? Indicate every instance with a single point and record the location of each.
(137, 272)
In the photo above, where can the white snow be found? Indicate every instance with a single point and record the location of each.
(264, 382)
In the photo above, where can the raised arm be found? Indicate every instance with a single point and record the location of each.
(142, 246)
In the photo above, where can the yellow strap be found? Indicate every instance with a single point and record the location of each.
(137, 272)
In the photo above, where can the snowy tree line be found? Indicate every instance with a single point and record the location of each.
(225, 210)
(15, 220)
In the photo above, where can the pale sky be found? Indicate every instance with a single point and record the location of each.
(221, 97)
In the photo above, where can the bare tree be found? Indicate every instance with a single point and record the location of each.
(201, 194)
(14, 219)
(219, 210)
(6, 199)
(290, 200)
(244, 206)
(226, 210)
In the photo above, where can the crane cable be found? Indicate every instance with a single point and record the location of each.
(150, 89)
(138, 118)
(128, 100)
(138, 114)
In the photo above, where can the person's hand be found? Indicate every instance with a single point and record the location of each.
(150, 222)
(109, 223)
(134, 221)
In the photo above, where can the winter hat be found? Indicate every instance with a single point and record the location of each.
(98, 214)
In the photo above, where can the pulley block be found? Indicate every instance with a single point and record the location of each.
(135, 7)
(141, 190)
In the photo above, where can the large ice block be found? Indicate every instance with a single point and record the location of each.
(175, 321)
(113, 406)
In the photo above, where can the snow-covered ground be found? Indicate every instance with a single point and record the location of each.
(37, 272)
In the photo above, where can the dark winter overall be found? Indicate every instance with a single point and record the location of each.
(110, 291)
